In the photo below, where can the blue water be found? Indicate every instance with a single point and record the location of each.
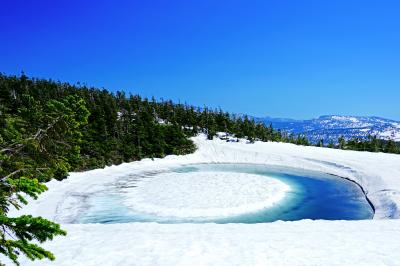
(313, 196)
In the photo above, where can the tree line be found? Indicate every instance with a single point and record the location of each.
(123, 128)
(371, 144)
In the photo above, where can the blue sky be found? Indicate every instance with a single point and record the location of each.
(297, 59)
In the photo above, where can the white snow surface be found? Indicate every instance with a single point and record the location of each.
(204, 194)
(311, 243)
(306, 242)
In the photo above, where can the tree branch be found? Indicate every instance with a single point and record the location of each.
(37, 136)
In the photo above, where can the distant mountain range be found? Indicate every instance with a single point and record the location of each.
(331, 127)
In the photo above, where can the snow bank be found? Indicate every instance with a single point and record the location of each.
(204, 194)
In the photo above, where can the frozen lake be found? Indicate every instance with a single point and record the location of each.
(110, 196)
(225, 193)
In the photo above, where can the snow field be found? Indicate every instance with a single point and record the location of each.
(368, 242)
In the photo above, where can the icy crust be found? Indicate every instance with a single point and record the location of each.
(204, 194)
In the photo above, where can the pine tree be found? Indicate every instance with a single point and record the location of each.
(320, 143)
(391, 147)
(342, 143)
(38, 144)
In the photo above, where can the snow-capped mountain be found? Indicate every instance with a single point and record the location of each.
(331, 127)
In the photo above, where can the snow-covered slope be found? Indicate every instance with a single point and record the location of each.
(308, 243)
(372, 242)
(331, 127)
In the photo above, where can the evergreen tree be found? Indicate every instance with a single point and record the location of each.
(37, 144)
(342, 143)
(391, 147)
(320, 143)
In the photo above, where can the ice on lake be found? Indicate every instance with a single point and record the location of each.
(225, 193)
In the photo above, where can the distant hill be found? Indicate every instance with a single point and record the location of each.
(331, 127)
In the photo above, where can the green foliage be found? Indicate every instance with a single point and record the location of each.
(25, 229)
(120, 128)
(372, 144)
(38, 141)
(320, 143)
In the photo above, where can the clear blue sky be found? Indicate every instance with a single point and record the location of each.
(297, 59)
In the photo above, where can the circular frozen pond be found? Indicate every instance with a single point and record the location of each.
(206, 194)
(225, 193)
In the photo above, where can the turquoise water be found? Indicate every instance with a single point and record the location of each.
(313, 196)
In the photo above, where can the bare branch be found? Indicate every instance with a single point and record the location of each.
(12, 174)
(37, 136)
